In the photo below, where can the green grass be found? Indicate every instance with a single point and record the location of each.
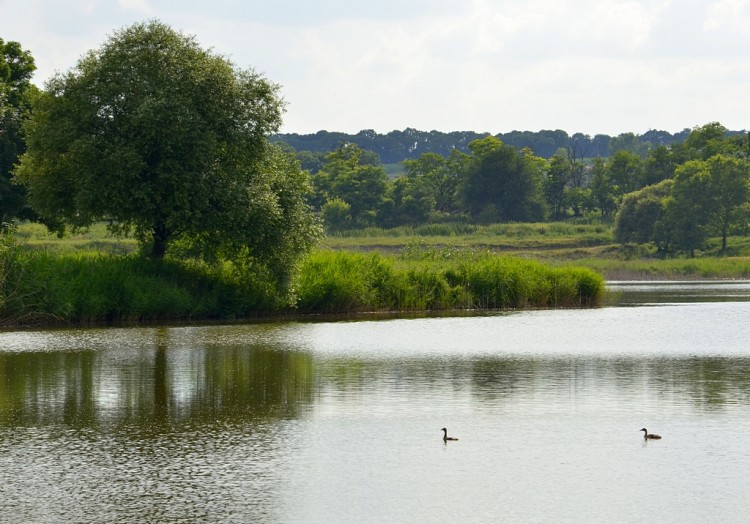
(669, 269)
(91, 277)
(584, 242)
(95, 239)
(349, 282)
(47, 287)
(587, 244)
(541, 236)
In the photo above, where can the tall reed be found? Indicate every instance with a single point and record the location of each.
(46, 287)
(348, 282)
(39, 286)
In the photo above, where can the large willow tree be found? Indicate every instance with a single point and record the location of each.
(168, 142)
(16, 91)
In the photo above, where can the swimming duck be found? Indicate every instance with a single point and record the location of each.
(648, 435)
(446, 438)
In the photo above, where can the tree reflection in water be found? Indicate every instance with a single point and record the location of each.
(157, 386)
(165, 384)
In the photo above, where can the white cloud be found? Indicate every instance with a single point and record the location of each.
(141, 6)
(732, 15)
(491, 65)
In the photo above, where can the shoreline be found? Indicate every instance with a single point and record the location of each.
(366, 315)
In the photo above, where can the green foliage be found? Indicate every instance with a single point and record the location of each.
(350, 175)
(629, 143)
(16, 93)
(168, 141)
(708, 197)
(499, 181)
(625, 173)
(348, 282)
(502, 183)
(336, 215)
(641, 212)
(439, 176)
(504, 282)
(345, 282)
(707, 140)
(558, 176)
(730, 191)
(39, 286)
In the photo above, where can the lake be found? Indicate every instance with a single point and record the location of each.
(340, 421)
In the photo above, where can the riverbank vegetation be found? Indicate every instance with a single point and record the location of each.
(69, 286)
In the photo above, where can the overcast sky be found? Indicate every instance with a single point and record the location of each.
(591, 66)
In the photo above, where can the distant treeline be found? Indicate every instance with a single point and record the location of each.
(398, 146)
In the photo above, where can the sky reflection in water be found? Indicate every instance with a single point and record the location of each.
(339, 421)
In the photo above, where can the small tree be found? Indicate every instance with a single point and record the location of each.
(349, 175)
(559, 175)
(336, 214)
(640, 213)
(601, 188)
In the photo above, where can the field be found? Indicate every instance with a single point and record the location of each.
(557, 244)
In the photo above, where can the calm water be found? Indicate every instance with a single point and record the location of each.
(340, 421)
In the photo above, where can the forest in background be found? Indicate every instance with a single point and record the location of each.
(670, 192)
(396, 146)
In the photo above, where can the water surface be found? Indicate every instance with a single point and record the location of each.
(340, 421)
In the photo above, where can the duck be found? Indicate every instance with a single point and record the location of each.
(649, 436)
(446, 438)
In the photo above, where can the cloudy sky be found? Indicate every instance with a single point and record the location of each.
(591, 66)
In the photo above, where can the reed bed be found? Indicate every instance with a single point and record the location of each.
(39, 287)
(343, 282)
(45, 288)
(48, 286)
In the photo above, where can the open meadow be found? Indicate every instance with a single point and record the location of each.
(559, 244)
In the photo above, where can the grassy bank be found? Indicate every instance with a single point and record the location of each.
(341, 281)
(44, 287)
(40, 287)
(91, 278)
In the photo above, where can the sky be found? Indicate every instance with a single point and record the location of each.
(589, 66)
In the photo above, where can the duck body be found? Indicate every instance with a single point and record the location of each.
(446, 438)
(649, 436)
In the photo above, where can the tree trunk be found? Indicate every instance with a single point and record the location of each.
(159, 246)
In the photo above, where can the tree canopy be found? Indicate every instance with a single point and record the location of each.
(355, 177)
(169, 142)
(16, 91)
(502, 183)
